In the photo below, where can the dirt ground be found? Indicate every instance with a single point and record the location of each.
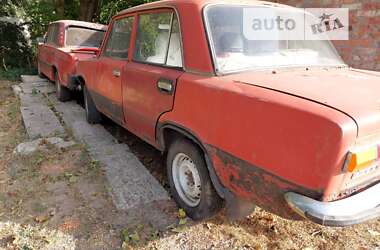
(59, 199)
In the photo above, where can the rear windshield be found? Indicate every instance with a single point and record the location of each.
(234, 51)
(84, 37)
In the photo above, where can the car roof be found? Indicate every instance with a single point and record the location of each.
(82, 24)
(199, 3)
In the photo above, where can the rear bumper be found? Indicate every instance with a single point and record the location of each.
(355, 209)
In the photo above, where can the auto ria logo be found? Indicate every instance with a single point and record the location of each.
(278, 23)
(328, 23)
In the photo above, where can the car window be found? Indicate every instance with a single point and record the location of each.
(175, 51)
(119, 39)
(83, 37)
(52, 34)
(158, 39)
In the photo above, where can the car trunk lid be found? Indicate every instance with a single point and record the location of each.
(356, 93)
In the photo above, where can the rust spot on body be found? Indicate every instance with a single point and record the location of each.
(249, 182)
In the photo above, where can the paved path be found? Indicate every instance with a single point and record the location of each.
(132, 184)
(39, 120)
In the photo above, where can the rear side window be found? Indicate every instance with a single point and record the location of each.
(119, 40)
(52, 36)
(83, 37)
(158, 40)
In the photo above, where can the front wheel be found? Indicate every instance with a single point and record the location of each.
(62, 93)
(190, 182)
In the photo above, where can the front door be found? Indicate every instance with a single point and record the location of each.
(151, 77)
(108, 89)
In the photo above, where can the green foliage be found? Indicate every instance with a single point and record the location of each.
(146, 40)
(40, 14)
(15, 50)
(10, 7)
(109, 8)
(71, 9)
(13, 74)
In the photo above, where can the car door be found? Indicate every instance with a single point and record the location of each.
(49, 50)
(108, 89)
(151, 76)
(44, 55)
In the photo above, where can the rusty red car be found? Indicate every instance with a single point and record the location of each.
(66, 42)
(286, 126)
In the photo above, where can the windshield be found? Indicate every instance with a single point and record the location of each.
(83, 37)
(234, 52)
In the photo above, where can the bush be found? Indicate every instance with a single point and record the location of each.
(109, 8)
(15, 50)
(13, 74)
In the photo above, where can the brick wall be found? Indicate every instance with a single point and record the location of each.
(363, 48)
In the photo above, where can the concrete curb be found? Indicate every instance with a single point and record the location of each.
(39, 120)
(131, 182)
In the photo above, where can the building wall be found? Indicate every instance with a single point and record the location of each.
(363, 48)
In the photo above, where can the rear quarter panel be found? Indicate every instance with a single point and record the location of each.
(66, 63)
(263, 143)
(87, 69)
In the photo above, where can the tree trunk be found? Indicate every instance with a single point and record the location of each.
(60, 8)
(88, 8)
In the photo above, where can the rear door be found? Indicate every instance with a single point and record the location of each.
(108, 89)
(46, 51)
(151, 76)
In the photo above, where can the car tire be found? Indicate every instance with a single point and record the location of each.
(62, 93)
(93, 116)
(39, 71)
(190, 182)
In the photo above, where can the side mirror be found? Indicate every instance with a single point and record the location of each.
(40, 40)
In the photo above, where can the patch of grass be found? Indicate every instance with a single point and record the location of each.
(13, 110)
(38, 207)
(37, 158)
(27, 166)
(14, 74)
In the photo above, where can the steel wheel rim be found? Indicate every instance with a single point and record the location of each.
(186, 179)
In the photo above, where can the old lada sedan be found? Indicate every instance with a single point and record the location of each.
(284, 125)
(66, 42)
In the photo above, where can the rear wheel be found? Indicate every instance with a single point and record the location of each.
(190, 182)
(39, 70)
(62, 93)
(93, 116)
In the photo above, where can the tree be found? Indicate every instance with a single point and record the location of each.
(15, 50)
(40, 14)
(10, 7)
(88, 9)
(110, 8)
(60, 8)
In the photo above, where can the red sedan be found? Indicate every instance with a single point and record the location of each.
(65, 43)
(285, 126)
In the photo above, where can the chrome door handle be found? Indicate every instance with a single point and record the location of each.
(116, 73)
(165, 85)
